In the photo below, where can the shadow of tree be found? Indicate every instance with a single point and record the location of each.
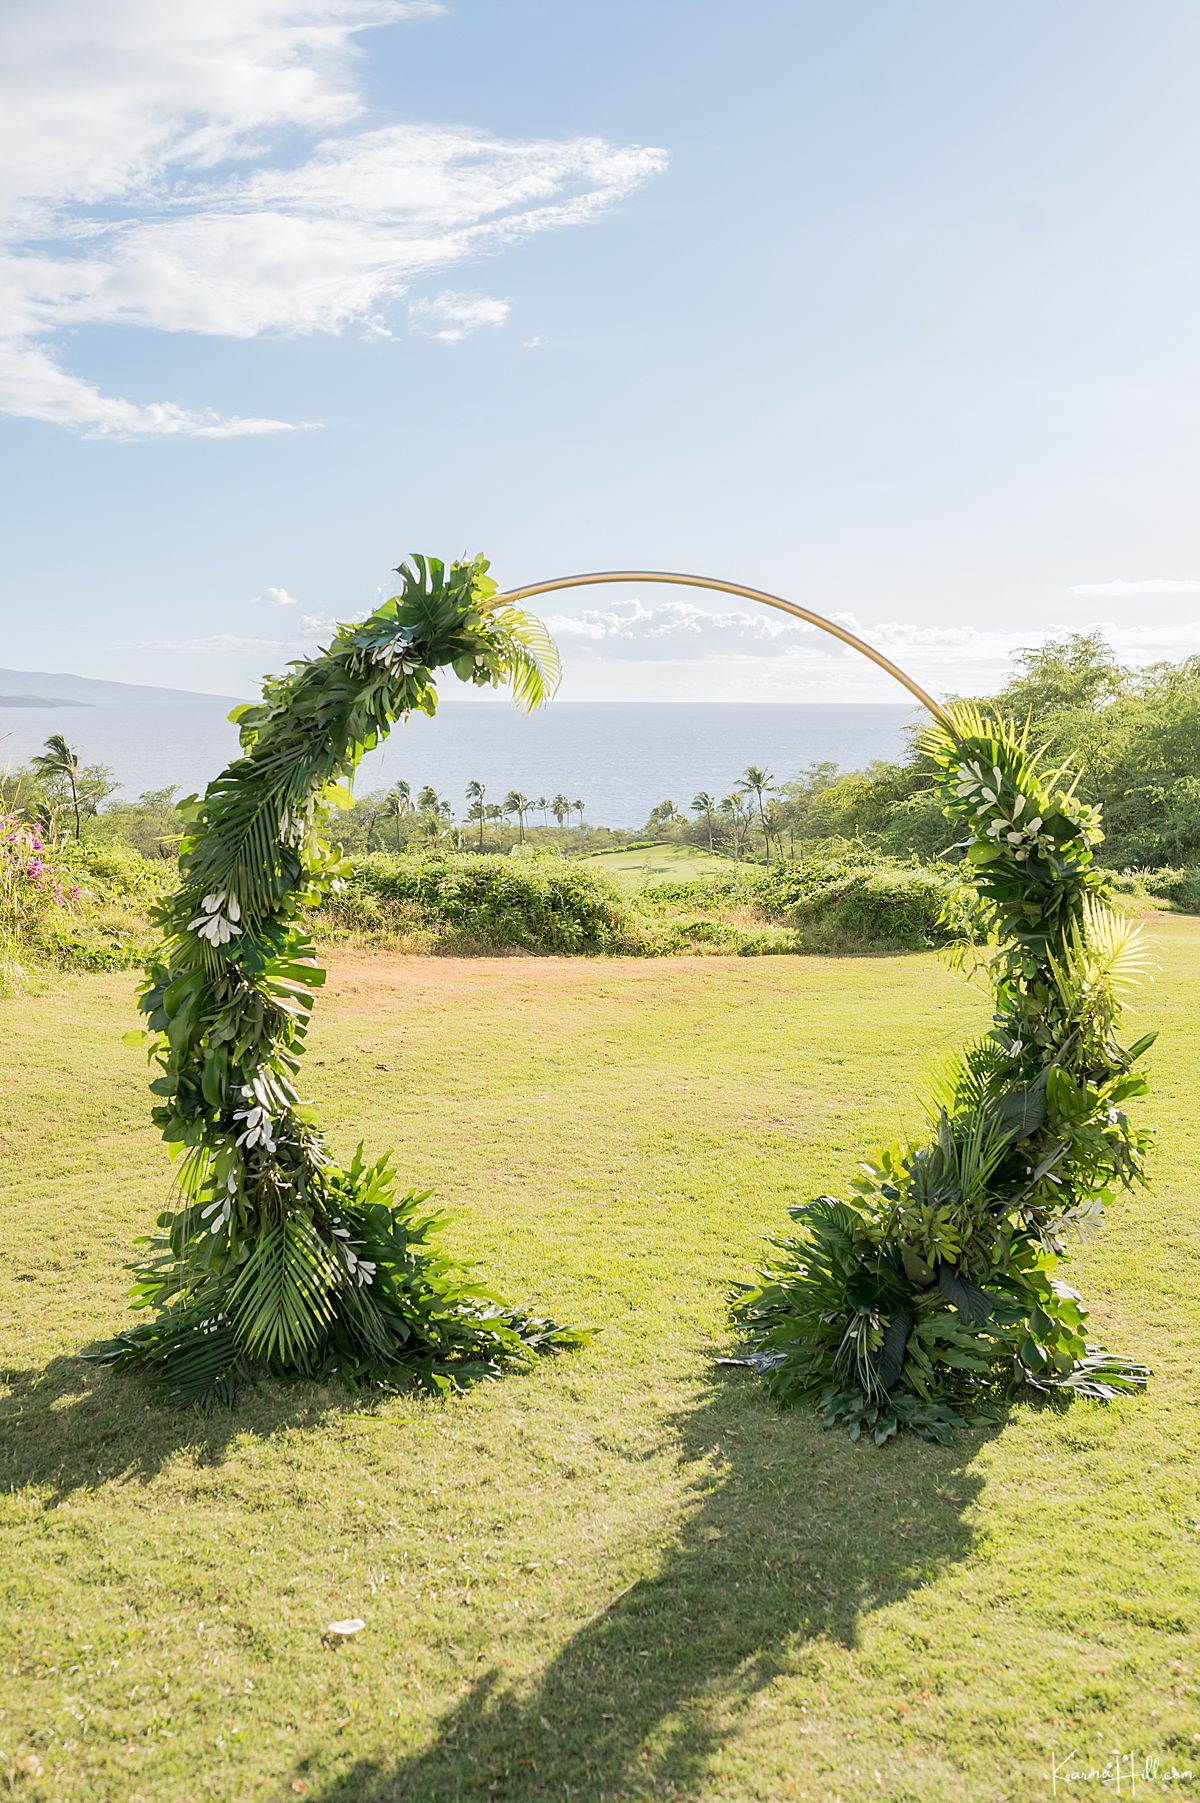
(70, 1425)
(792, 1536)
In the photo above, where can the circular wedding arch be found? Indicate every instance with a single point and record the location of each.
(894, 1310)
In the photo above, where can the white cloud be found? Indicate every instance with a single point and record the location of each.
(533, 344)
(765, 653)
(213, 641)
(33, 385)
(452, 317)
(204, 166)
(312, 631)
(1149, 585)
(274, 597)
(673, 629)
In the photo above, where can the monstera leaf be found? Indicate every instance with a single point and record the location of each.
(972, 1303)
(891, 1353)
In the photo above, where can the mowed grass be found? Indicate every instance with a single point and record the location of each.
(623, 1575)
(642, 866)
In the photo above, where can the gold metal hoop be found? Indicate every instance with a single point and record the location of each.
(747, 594)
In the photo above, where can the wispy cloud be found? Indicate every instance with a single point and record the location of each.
(311, 631)
(205, 167)
(452, 317)
(960, 657)
(213, 642)
(274, 597)
(676, 629)
(1149, 585)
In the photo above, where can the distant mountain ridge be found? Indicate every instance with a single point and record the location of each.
(43, 688)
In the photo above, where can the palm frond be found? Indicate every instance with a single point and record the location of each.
(528, 654)
(1104, 956)
(1117, 945)
(281, 1302)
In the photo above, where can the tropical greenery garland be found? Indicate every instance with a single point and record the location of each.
(275, 1256)
(936, 1287)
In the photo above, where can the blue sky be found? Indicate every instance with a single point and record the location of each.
(888, 308)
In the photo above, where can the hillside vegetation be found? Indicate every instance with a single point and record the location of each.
(462, 903)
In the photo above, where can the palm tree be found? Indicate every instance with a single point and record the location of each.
(429, 801)
(58, 760)
(735, 807)
(371, 812)
(543, 805)
(400, 803)
(578, 806)
(560, 807)
(477, 796)
(774, 823)
(703, 803)
(518, 804)
(759, 782)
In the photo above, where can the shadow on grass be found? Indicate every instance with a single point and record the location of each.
(70, 1426)
(792, 1537)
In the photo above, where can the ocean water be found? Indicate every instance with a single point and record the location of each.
(619, 758)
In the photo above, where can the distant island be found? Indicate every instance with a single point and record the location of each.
(39, 701)
(60, 688)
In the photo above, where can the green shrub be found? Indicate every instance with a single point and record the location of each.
(850, 901)
(73, 906)
(701, 894)
(669, 935)
(1179, 886)
(848, 904)
(459, 902)
(113, 872)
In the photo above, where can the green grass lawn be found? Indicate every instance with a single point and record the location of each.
(622, 1575)
(644, 865)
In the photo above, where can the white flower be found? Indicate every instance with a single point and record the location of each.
(217, 927)
(222, 1209)
(397, 654)
(257, 1119)
(361, 1270)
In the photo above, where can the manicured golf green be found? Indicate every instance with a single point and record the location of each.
(641, 867)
